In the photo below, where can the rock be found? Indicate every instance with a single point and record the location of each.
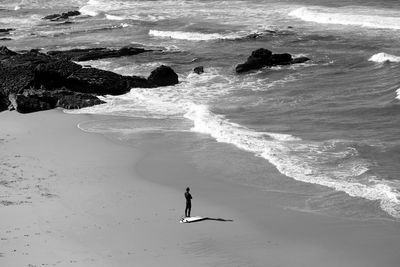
(37, 100)
(5, 39)
(199, 70)
(15, 78)
(5, 52)
(96, 81)
(77, 100)
(265, 58)
(54, 74)
(17, 71)
(261, 53)
(163, 76)
(4, 102)
(96, 53)
(25, 104)
(32, 81)
(66, 15)
(300, 60)
(281, 59)
(135, 81)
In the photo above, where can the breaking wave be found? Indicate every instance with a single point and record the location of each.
(194, 36)
(357, 16)
(383, 57)
(309, 162)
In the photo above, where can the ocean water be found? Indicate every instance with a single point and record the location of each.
(332, 123)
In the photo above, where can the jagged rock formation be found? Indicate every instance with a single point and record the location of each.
(265, 58)
(34, 81)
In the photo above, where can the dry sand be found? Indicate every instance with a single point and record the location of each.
(70, 198)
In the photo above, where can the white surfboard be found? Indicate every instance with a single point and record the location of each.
(191, 219)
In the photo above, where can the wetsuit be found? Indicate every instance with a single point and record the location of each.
(188, 197)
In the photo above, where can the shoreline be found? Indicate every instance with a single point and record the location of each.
(81, 199)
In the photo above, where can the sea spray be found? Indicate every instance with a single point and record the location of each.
(384, 57)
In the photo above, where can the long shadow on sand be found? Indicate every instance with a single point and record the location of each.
(210, 219)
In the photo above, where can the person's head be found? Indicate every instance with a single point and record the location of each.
(187, 189)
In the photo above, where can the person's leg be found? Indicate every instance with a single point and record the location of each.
(189, 208)
(186, 209)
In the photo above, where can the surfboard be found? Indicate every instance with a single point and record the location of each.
(191, 219)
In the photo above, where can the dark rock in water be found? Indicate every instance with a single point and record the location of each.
(199, 70)
(66, 15)
(281, 59)
(95, 81)
(163, 76)
(96, 53)
(32, 81)
(135, 81)
(5, 39)
(261, 53)
(300, 60)
(264, 58)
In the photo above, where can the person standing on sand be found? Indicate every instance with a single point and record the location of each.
(188, 197)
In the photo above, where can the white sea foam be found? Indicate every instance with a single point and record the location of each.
(296, 158)
(114, 17)
(357, 16)
(383, 57)
(398, 94)
(194, 36)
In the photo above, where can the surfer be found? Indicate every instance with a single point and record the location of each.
(188, 197)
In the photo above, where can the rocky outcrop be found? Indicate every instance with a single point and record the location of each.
(96, 81)
(25, 104)
(264, 58)
(199, 70)
(37, 100)
(32, 101)
(96, 53)
(33, 81)
(62, 16)
(4, 102)
(163, 76)
(5, 52)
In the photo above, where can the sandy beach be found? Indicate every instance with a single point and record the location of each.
(71, 198)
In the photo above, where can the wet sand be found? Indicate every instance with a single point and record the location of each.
(71, 198)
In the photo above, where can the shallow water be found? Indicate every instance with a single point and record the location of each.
(333, 121)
